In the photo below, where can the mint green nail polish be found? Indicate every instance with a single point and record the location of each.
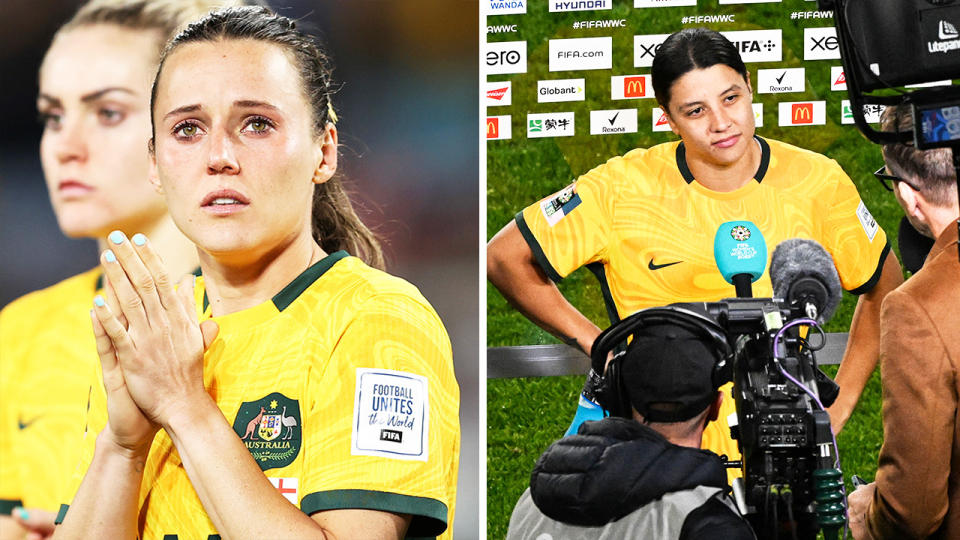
(22, 513)
(109, 256)
(98, 300)
(139, 239)
(117, 237)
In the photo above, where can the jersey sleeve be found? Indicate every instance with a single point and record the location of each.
(854, 239)
(572, 227)
(10, 496)
(383, 432)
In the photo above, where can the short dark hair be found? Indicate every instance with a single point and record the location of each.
(930, 170)
(689, 49)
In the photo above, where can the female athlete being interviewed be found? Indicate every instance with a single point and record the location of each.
(645, 221)
(314, 380)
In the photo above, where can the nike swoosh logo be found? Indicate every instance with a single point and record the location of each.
(652, 266)
(614, 119)
(24, 425)
(780, 78)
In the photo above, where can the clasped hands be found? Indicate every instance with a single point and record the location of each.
(149, 342)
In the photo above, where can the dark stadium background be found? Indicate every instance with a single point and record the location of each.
(408, 125)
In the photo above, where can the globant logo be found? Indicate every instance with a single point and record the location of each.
(498, 127)
(631, 87)
(758, 114)
(506, 57)
(821, 44)
(560, 90)
(802, 113)
(613, 122)
(581, 54)
(579, 5)
(505, 7)
(498, 93)
(757, 45)
(550, 125)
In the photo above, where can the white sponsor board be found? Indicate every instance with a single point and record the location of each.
(821, 44)
(871, 112)
(631, 87)
(780, 81)
(580, 5)
(645, 48)
(613, 121)
(838, 79)
(557, 90)
(498, 127)
(498, 93)
(504, 7)
(505, 57)
(802, 113)
(758, 114)
(757, 45)
(550, 125)
(581, 54)
(658, 120)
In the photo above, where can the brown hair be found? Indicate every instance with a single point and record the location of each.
(931, 170)
(336, 225)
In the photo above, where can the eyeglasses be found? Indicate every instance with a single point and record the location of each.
(888, 180)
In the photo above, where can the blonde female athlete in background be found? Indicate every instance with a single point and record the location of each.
(645, 222)
(326, 384)
(94, 102)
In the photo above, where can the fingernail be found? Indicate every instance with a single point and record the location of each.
(21, 513)
(117, 237)
(139, 239)
(109, 256)
(98, 300)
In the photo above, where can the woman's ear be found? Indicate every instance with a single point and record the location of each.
(326, 155)
(153, 175)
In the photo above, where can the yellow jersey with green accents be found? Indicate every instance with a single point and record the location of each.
(341, 387)
(47, 359)
(646, 229)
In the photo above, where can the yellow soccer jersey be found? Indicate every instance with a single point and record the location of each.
(341, 387)
(47, 356)
(646, 229)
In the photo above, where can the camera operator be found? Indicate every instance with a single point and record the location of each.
(916, 491)
(645, 476)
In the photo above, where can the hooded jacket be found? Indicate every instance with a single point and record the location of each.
(620, 479)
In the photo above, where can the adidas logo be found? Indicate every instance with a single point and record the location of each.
(948, 31)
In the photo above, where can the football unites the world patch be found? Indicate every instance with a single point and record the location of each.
(391, 415)
(559, 205)
(270, 429)
(866, 221)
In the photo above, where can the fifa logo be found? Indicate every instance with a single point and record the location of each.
(802, 113)
(634, 87)
(493, 128)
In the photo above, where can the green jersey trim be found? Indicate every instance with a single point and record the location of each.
(429, 515)
(866, 287)
(296, 287)
(7, 506)
(61, 514)
(538, 253)
(758, 176)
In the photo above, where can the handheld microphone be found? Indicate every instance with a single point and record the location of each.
(741, 255)
(803, 274)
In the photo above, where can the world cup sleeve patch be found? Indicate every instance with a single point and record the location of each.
(866, 220)
(561, 204)
(391, 415)
(270, 429)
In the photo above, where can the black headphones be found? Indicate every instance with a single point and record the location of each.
(612, 394)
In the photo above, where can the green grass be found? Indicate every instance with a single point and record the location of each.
(525, 415)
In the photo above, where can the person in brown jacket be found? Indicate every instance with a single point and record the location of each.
(917, 489)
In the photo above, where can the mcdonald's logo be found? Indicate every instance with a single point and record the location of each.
(493, 128)
(634, 87)
(801, 113)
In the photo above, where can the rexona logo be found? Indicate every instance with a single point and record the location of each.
(802, 113)
(498, 93)
(662, 3)
(838, 80)
(821, 44)
(645, 48)
(613, 122)
(658, 120)
(498, 127)
(581, 54)
(778, 81)
(549, 125)
(871, 113)
(505, 7)
(630, 87)
(579, 5)
(506, 57)
(560, 90)
(758, 45)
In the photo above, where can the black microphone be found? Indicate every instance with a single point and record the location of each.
(803, 274)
